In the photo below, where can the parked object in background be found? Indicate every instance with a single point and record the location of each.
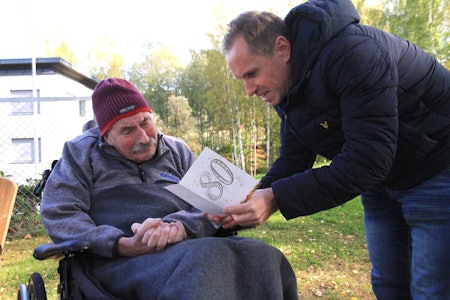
(8, 192)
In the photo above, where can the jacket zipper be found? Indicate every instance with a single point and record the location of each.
(142, 173)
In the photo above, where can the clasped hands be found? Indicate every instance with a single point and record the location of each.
(151, 235)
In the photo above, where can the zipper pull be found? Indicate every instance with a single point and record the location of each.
(142, 173)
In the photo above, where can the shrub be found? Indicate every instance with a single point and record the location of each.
(25, 218)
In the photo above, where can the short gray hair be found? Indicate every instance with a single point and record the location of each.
(259, 29)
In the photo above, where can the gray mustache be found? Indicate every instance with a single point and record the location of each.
(139, 148)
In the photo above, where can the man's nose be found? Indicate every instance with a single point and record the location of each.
(250, 87)
(141, 136)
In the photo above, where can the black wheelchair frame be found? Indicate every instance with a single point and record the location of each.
(65, 252)
(67, 290)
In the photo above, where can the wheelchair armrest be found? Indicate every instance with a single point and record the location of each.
(221, 232)
(60, 249)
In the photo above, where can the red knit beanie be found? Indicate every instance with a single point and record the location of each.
(114, 99)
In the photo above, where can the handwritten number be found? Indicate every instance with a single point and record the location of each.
(212, 186)
(215, 188)
(227, 170)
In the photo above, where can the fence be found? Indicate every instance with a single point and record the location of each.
(32, 135)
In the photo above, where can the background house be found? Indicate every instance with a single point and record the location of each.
(39, 111)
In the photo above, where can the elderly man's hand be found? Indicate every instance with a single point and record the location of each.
(150, 236)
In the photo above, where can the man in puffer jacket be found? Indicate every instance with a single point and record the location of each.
(379, 107)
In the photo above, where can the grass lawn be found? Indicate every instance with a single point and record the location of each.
(327, 251)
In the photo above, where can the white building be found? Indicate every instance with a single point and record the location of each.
(40, 109)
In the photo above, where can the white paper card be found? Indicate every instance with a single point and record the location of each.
(212, 183)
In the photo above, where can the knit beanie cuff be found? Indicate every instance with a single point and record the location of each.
(114, 99)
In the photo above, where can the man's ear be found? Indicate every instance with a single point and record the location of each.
(282, 47)
(106, 136)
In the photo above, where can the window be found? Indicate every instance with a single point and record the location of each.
(24, 107)
(82, 106)
(24, 150)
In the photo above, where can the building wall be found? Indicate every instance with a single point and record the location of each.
(30, 140)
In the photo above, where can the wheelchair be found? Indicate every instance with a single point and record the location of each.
(65, 252)
(67, 290)
(35, 288)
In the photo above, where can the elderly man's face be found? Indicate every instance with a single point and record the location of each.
(264, 76)
(135, 137)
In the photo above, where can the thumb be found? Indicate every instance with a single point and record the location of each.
(135, 227)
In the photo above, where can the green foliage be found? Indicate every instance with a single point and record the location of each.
(423, 22)
(61, 49)
(222, 113)
(105, 60)
(157, 77)
(25, 218)
(225, 115)
(406, 16)
(181, 123)
(225, 148)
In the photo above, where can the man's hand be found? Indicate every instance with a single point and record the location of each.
(254, 212)
(226, 221)
(150, 236)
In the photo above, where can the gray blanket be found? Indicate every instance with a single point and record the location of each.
(200, 268)
(205, 268)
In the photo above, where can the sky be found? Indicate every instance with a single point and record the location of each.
(180, 25)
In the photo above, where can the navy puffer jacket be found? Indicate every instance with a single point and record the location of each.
(375, 104)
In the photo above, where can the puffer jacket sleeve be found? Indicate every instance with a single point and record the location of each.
(362, 73)
(289, 162)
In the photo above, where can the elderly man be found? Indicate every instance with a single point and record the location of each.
(108, 189)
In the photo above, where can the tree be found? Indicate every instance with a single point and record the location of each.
(194, 86)
(181, 123)
(423, 22)
(61, 50)
(158, 77)
(230, 122)
(105, 61)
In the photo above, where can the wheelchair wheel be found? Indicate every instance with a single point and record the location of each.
(36, 287)
(22, 293)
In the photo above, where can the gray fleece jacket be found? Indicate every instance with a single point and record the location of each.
(95, 194)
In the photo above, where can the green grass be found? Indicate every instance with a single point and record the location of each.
(18, 263)
(327, 251)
